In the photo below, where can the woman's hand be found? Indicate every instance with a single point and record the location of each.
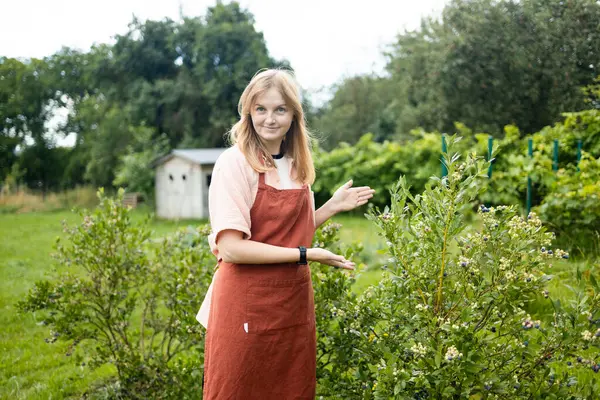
(328, 258)
(347, 198)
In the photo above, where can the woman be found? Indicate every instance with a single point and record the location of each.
(261, 341)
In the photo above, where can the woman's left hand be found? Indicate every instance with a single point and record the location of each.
(347, 198)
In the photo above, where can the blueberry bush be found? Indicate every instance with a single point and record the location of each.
(122, 298)
(463, 310)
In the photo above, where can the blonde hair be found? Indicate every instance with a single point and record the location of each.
(298, 139)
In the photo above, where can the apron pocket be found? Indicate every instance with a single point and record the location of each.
(276, 305)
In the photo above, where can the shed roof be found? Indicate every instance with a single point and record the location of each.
(196, 156)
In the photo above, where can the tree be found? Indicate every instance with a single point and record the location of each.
(135, 171)
(360, 104)
(484, 63)
(518, 62)
(181, 80)
(229, 51)
(43, 164)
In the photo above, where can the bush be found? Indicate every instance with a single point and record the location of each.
(464, 313)
(135, 171)
(379, 164)
(572, 207)
(129, 301)
(333, 293)
(513, 165)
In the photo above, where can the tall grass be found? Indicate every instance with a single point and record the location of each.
(26, 200)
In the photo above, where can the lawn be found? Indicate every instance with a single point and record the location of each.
(30, 368)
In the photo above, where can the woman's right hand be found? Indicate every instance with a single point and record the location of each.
(328, 258)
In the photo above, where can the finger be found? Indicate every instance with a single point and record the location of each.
(366, 192)
(348, 184)
(345, 264)
(360, 189)
(335, 259)
(363, 200)
(365, 196)
(348, 265)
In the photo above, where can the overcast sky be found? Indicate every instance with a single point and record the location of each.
(325, 40)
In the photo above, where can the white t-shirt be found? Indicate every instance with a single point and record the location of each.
(283, 169)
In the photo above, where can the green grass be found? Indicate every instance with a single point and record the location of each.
(29, 367)
(359, 229)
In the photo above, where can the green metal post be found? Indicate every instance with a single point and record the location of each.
(555, 156)
(490, 149)
(578, 153)
(529, 189)
(444, 151)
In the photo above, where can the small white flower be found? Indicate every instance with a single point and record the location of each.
(504, 264)
(419, 350)
(453, 354)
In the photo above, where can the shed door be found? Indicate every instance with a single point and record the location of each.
(180, 193)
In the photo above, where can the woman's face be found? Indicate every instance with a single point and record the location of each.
(271, 119)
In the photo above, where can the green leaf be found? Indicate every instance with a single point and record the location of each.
(594, 282)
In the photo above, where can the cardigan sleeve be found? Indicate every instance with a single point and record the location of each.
(229, 197)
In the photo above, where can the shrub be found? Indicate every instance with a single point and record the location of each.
(130, 301)
(333, 294)
(465, 313)
(572, 207)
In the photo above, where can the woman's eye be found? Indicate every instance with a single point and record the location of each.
(260, 109)
(281, 109)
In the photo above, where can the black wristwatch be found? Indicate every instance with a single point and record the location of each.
(302, 256)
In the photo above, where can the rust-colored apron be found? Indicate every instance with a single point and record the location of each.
(261, 340)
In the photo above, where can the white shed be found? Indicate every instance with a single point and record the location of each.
(181, 183)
